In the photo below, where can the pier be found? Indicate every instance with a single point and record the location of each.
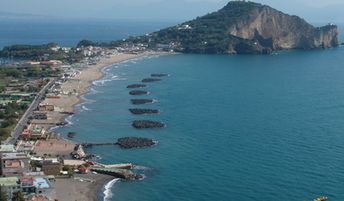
(88, 145)
(116, 172)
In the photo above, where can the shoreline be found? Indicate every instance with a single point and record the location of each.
(79, 85)
(80, 187)
(83, 83)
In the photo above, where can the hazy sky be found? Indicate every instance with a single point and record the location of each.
(178, 10)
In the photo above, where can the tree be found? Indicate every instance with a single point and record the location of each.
(13, 72)
(3, 195)
(2, 115)
(2, 89)
(34, 72)
(69, 169)
(4, 133)
(18, 196)
(86, 43)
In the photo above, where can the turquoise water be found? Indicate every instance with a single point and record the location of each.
(238, 127)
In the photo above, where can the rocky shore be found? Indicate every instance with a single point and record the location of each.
(141, 124)
(134, 142)
(144, 111)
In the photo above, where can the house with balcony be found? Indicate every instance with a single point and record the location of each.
(14, 164)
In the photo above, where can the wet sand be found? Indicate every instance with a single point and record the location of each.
(76, 190)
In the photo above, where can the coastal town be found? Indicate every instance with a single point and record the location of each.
(37, 93)
(233, 127)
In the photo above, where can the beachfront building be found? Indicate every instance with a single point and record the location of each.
(25, 146)
(35, 186)
(46, 107)
(43, 186)
(38, 198)
(73, 163)
(51, 62)
(34, 132)
(32, 63)
(14, 164)
(7, 148)
(27, 185)
(9, 185)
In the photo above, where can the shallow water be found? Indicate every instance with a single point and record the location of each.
(238, 127)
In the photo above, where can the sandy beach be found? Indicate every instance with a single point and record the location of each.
(79, 84)
(69, 188)
(81, 187)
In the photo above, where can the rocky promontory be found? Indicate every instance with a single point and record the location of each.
(134, 142)
(140, 124)
(240, 27)
(139, 111)
(133, 86)
(138, 92)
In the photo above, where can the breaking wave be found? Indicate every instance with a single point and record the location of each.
(107, 189)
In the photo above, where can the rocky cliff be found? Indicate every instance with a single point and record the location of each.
(241, 28)
(276, 30)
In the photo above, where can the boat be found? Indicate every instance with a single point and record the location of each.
(321, 198)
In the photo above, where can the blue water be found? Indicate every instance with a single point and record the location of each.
(69, 32)
(238, 127)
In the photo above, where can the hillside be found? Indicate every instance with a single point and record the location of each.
(241, 28)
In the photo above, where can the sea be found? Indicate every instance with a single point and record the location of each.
(240, 127)
(68, 32)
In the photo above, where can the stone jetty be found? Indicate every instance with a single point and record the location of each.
(151, 80)
(134, 142)
(116, 172)
(139, 111)
(141, 101)
(141, 124)
(138, 92)
(133, 86)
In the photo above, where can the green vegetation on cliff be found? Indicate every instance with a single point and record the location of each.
(241, 28)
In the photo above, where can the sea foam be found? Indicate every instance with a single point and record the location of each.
(107, 189)
(69, 120)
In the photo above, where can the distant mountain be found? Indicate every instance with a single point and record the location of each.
(242, 28)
